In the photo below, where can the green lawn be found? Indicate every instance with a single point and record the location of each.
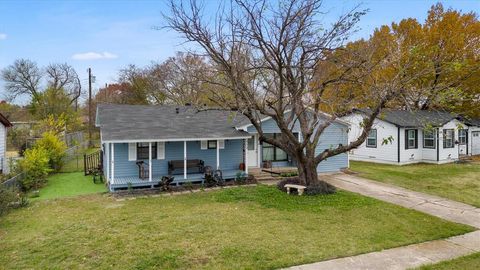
(471, 262)
(240, 228)
(459, 182)
(69, 184)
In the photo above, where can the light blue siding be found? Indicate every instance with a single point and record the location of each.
(333, 135)
(230, 157)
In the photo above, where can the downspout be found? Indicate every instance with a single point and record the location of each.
(398, 143)
(438, 145)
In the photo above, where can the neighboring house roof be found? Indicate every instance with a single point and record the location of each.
(146, 122)
(471, 122)
(5, 121)
(403, 118)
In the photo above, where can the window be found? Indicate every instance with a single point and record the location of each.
(372, 138)
(411, 139)
(212, 144)
(142, 151)
(273, 153)
(462, 136)
(448, 138)
(251, 143)
(429, 139)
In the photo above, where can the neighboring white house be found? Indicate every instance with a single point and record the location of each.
(404, 137)
(3, 143)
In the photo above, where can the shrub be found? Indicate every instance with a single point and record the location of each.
(240, 178)
(11, 198)
(35, 165)
(289, 174)
(7, 199)
(318, 190)
(55, 148)
(210, 181)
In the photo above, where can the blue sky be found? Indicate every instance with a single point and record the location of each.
(108, 35)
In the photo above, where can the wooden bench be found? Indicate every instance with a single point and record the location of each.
(191, 164)
(299, 188)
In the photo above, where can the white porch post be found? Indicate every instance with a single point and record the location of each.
(107, 155)
(185, 160)
(259, 149)
(246, 155)
(113, 164)
(218, 154)
(150, 161)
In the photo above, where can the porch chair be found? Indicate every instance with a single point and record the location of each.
(143, 172)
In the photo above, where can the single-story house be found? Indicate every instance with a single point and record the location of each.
(5, 124)
(181, 140)
(404, 137)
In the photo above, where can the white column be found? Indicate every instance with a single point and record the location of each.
(107, 162)
(150, 161)
(259, 154)
(246, 155)
(218, 154)
(184, 159)
(113, 164)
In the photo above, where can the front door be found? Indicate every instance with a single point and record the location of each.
(476, 143)
(252, 151)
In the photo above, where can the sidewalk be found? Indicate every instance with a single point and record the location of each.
(412, 255)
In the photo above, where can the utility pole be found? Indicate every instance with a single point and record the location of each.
(90, 144)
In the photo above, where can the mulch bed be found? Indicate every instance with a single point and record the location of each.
(174, 190)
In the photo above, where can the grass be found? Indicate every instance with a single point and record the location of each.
(459, 182)
(240, 228)
(69, 184)
(75, 164)
(470, 262)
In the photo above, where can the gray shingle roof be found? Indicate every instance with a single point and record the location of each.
(145, 122)
(404, 118)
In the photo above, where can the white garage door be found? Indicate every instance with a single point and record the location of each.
(476, 143)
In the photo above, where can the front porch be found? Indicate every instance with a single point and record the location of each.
(185, 160)
(124, 182)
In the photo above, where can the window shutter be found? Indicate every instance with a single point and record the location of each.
(203, 145)
(406, 138)
(132, 151)
(416, 138)
(221, 144)
(444, 139)
(160, 150)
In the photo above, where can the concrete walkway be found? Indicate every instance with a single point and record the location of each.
(412, 255)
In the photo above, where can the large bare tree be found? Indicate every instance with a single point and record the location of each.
(280, 61)
(25, 78)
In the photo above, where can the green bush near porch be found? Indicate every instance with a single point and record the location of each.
(239, 228)
(458, 182)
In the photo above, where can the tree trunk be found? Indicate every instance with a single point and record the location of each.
(308, 175)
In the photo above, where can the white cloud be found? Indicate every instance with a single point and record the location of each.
(3, 36)
(94, 56)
